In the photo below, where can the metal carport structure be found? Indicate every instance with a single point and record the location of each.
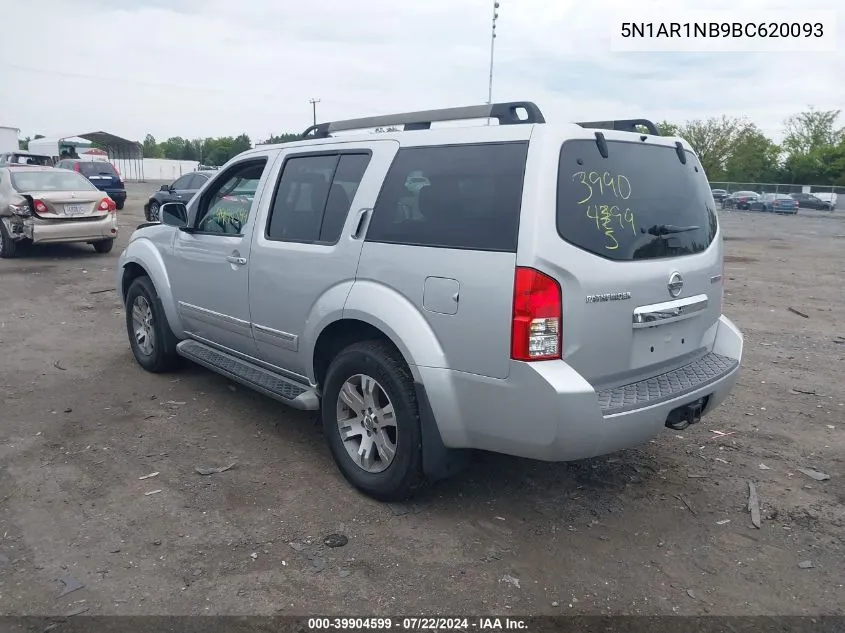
(129, 153)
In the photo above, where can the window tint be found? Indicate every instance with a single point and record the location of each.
(460, 196)
(226, 206)
(314, 196)
(197, 181)
(347, 177)
(640, 202)
(182, 182)
(97, 168)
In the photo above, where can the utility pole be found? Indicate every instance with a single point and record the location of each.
(492, 49)
(314, 103)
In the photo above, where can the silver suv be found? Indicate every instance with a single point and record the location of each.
(547, 291)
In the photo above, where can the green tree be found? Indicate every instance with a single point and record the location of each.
(150, 148)
(753, 158)
(713, 140)
(668, 129)
(281, 138)
(812, 142)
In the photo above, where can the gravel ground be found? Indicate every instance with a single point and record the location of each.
(659, 529)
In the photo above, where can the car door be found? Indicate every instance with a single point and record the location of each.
(307, 242)
(180, 189)
(210, 258)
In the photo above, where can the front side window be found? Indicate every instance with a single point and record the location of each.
(226, 207)
(181, 183)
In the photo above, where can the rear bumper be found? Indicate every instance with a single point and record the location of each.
(547, 411)
(47, 231)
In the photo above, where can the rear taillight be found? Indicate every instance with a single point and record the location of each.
(107, 204)
(40, 207)
(536, 326)
(76, 167)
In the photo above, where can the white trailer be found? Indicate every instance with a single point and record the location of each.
(54, 146)
(8, 139)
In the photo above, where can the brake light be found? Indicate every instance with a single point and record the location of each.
(76, 167)
(536, 325)
(40, 207)
(107, 204)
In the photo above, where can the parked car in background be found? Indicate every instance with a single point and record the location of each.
(23, 157)
(719, 194)
(44, 204)
(180, 190)
(775, 203)
(102, 174)
(827, 196)
(424, 320)
(810, 201)
(740, 200)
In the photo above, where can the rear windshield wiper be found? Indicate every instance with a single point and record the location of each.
(668, 229)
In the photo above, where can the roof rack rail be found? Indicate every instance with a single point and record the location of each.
(504, 113)
(623, 125)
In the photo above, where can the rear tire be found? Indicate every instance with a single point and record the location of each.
(119, 205)
(153, 342)
(103, 246)
(376, 363)
(8, 246)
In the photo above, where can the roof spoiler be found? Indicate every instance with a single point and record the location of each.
(622, 125)
(510, 113)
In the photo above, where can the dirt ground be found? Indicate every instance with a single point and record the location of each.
(660, 529)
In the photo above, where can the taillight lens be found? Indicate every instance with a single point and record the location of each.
(536, 328)
(107, 204)
(76, 167)
(40, 207)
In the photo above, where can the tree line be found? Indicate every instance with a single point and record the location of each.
(731, 149)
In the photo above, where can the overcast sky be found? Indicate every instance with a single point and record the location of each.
(196, 68)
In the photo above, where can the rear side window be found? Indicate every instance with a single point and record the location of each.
(640, 202)
(457, 196)
(97, 168)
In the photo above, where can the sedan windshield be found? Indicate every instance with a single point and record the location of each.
(53, 180)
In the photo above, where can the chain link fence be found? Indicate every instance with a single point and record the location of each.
(831, 193)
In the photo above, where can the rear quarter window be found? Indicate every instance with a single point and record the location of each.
(639, 203)
(455, 196)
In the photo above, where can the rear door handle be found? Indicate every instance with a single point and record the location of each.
(361, 224)
(234, 259)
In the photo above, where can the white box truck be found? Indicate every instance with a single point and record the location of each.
(8, 139)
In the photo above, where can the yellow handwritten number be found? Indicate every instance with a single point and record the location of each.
(583, 181)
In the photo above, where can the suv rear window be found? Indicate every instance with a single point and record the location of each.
(97, 168)
(640, 202)
(454, 196)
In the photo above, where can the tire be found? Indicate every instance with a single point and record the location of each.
(393, 479)
(153, 211)
(103, 246)
(156, 353)
(8, 246)
(119, 205)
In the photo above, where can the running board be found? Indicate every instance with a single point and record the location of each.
(250, 375)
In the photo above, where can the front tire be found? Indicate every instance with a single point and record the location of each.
(371, 421)
(103, 246)
(153, 211)
(152, 341)
(8, 246)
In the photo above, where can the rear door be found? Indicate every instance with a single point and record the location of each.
(633, 241)
(306, 243)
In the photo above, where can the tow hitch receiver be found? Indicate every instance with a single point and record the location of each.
(680, 418)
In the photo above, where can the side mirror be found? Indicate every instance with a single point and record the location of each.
(165, 188)
(174, 214)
